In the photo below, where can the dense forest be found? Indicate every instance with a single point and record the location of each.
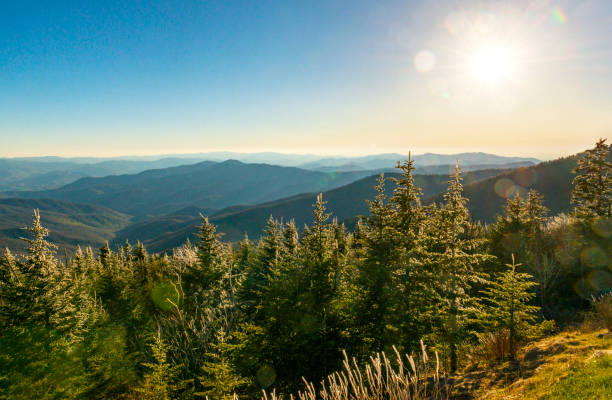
(226, 320)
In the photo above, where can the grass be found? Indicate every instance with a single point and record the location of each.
(571, 365)
(593, 381)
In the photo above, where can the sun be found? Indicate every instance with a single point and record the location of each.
(491, 64)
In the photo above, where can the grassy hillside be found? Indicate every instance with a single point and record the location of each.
(346, 202)
(571, 365)
(206, 185)
(70, 224)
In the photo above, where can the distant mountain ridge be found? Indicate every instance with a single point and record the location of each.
(424, 160)
(43, 173)
(346, 202)
(52, 172)
(429, 169)
(206, 184)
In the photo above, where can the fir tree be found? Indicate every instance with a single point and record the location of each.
(379, 247)
(455, 259)
(210, 265)
(105, 256)
(161, 381)
(592, 192)
(220, 379)
(506, 306)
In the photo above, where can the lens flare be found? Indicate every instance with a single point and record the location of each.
(559, 16)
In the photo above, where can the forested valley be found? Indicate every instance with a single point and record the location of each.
(428, 286)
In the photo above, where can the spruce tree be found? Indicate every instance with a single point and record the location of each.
(506, 306)
(455, 259)
(220, 379)
(161, 381)
(592, 192)
(210, 266)
(27, 288)
(379, 249)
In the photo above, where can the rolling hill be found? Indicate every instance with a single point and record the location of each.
(206, 185)
(52, 172)
(346, 202)
(70, 224)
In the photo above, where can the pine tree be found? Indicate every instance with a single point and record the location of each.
(161, 381)
(379, 249)
(211, 260)
(221, 381)
(506, 306)
(407, 201)
(410, 280)
(455, 259)
(27, 288)
(592, 192)
(291, 239)
(105, 256)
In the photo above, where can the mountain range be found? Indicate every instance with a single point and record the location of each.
(206, 184)
(161, 207)
(345, 203)
(43, 173)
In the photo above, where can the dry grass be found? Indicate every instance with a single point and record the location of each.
(544, 370)
(409, 378)
(603, 309)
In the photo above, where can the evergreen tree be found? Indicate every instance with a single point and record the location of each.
(27, 288)
(161, 381)
(211, 261)
(379, 249)
(455, 258)
(592, 192)
(506, 306)
(105, 256)
(221, 381)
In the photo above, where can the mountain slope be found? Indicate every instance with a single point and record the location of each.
(206, 184)
(53, 172)
(346, 202)
(70, 224)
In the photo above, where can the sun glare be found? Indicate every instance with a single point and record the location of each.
(491, 64)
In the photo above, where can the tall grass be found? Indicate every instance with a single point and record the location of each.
(409, 378)
(603, 308)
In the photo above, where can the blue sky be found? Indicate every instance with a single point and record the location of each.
(332, 77)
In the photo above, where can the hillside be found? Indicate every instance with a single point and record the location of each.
(346, 202)
(570, 365)
(70, 224)
(553, 179)
(206, 185)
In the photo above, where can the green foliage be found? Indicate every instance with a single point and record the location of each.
(221, 380)
(592, 192)
(506, 307)
(160, 382)
(232, 319)
(453, 259)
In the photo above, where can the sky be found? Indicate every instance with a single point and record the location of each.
(109, 78)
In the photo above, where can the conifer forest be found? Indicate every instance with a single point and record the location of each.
(396, 305)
